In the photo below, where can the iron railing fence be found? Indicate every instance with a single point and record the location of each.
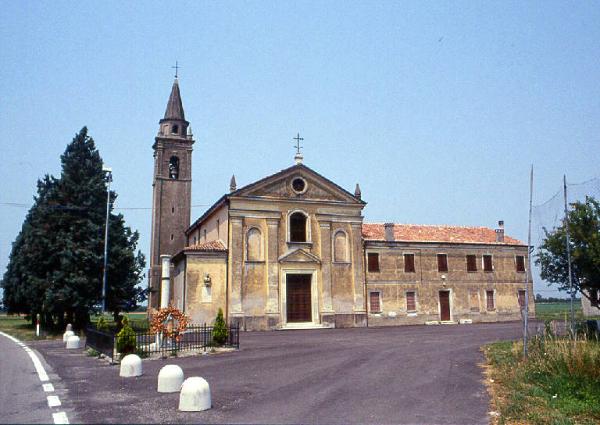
(102, 342)
(195, 337)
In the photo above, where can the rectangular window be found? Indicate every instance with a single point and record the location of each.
(490, 300)
(411, 302)
(374, 302)
(409, 263)
(522, 298)
(442, 262)
(471, 263)
(372, 261)
(520, 263)
(487, 263)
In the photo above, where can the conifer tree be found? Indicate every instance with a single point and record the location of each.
(56, 264)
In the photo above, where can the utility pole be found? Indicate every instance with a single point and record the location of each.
(569, 256)
(108, 172)
(528, 271)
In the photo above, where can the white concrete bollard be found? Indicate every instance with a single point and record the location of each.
(67, 334)
(170, 379)
(72, 342)
(195, 395)
(131, 365)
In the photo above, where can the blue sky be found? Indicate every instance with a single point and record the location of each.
(437, 109)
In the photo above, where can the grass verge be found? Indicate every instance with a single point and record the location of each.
(559, 383)
(20, 328)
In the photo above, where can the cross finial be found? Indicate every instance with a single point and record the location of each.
(176, 68)
(297, 145)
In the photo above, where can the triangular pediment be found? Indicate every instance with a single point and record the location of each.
(299, 255)
(281, 186)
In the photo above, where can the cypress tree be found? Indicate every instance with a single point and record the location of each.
(56, 263)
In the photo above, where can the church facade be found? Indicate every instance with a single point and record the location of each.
(292, 250)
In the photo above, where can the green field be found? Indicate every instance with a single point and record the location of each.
(22, 329)
(557, 311)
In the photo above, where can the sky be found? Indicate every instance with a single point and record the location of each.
(438, 109)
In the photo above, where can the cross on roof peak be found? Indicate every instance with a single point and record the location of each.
(176, 68)
(298, 157)
(298, 139)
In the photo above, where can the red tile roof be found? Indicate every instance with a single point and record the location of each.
(211, 246)
(429, 233)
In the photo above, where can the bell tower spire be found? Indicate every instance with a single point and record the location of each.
(171, 189)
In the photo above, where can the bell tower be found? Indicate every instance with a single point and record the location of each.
(171, 189)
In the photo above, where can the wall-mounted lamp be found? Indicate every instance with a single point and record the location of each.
(207, 280)
(443, 280)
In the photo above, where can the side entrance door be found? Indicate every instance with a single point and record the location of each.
(444, 306)
(298, 298)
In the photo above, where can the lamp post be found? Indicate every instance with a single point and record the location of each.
(108, 172)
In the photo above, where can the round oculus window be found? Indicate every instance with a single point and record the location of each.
(299, 185)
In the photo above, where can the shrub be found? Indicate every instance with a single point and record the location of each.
(219, 333)
(126, 341)
(102, 324)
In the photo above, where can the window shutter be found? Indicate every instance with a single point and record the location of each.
(471, 263)
(487, 263)
(411, 304)
(490, 299)
(373, 262)
(442, 262)
(409, 263)
(520, 264)
(374, 301)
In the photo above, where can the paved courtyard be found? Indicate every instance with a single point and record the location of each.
(399, 375)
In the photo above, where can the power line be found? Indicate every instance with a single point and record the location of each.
(18, 205)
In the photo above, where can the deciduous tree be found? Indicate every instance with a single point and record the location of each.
(584, 232)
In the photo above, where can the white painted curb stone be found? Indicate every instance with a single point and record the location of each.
(195, 395)
(170, 379)
(67, 334)
(131, 365)
(73, 342)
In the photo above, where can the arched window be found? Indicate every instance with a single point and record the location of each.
(175, 129)
(174, 167)
(340, 247)
(298, 231)
(254, 245)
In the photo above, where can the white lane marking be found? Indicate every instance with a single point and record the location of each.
(53, 401)
(60, 418)
(34, 358)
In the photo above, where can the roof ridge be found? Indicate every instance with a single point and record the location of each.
(430, 225)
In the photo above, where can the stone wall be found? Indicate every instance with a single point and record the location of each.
(202, 302)
(467, 290)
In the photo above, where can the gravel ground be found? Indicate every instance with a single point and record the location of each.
(395, 375)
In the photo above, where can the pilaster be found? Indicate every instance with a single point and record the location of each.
(325, 230)
(272, 266)
(236, 257)
(358, 275)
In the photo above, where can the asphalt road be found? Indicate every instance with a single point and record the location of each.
(400, 375)
(22, 397)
